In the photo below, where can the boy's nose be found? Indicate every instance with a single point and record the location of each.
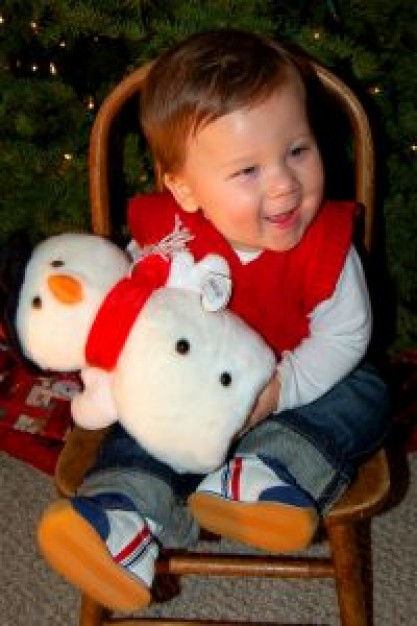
(281, 182)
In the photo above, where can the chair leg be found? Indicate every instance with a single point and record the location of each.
(91, 613)
(348, 572)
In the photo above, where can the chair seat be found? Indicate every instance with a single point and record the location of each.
(361, 500)
(366, 494)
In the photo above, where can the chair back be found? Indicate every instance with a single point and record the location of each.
(364, 158)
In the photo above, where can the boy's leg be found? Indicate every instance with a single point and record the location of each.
(312, 451)
(106, 539)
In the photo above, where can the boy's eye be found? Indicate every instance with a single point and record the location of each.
(246, 171)
(298, 150)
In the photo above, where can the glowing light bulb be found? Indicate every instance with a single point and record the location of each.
(375, 90)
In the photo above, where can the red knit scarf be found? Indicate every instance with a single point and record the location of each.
(120, 309)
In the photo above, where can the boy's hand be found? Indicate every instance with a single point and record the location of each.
(266, 403)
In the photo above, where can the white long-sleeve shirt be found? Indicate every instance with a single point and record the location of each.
(340, 330)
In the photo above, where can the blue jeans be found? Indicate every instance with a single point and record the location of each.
(320, 444)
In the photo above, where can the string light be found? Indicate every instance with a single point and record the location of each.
(375, 90)
(413, 148)
(67, 156)
(34, 67)
(34, 26)
(90, 103)
(62, 44)
(1, 19)
(52, 69)
(317, 35)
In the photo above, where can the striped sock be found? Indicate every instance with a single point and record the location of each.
(128, 537)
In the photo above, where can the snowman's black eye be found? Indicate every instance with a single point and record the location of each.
(182, 346)
(57, 263)
(225, 379)
(37, 302)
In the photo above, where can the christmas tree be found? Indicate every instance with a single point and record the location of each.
(59, 59)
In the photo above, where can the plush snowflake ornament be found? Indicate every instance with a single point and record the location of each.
(157, 347)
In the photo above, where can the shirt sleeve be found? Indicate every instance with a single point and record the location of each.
(340, 330)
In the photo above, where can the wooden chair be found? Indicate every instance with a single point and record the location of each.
(365, 496)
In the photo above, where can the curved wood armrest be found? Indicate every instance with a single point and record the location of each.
(367, 493)
(78, 455)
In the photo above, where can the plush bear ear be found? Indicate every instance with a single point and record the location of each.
(210, 277)
(216, 290)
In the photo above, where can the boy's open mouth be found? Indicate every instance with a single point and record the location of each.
(287, 218)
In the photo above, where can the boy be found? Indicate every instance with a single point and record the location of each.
(230, 119)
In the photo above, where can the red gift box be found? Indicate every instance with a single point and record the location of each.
(35, 414)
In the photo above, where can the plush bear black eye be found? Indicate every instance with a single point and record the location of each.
(57, 263)
(37, 302)
(225, 379)
(182, 346)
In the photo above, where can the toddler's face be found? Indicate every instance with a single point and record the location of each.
(256, 173)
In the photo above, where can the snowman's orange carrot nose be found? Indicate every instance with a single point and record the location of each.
(66, 289)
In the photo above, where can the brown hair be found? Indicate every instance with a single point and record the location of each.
(206, 76)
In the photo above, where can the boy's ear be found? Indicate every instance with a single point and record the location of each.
(181, 192)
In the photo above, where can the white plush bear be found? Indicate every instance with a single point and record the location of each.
(156, 345)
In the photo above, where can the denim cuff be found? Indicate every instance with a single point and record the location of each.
(313, 471)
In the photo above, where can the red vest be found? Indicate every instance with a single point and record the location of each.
(275, 292)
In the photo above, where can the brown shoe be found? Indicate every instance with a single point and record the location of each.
(74, 548)
(246, 501)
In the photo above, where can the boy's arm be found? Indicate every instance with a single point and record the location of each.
(340, 330)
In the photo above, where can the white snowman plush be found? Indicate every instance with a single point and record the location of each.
(157, 347)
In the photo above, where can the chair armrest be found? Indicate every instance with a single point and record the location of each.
(366, 495)
(77, 456)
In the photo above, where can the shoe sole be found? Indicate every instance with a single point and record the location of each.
(268, 525)
(74, 549)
